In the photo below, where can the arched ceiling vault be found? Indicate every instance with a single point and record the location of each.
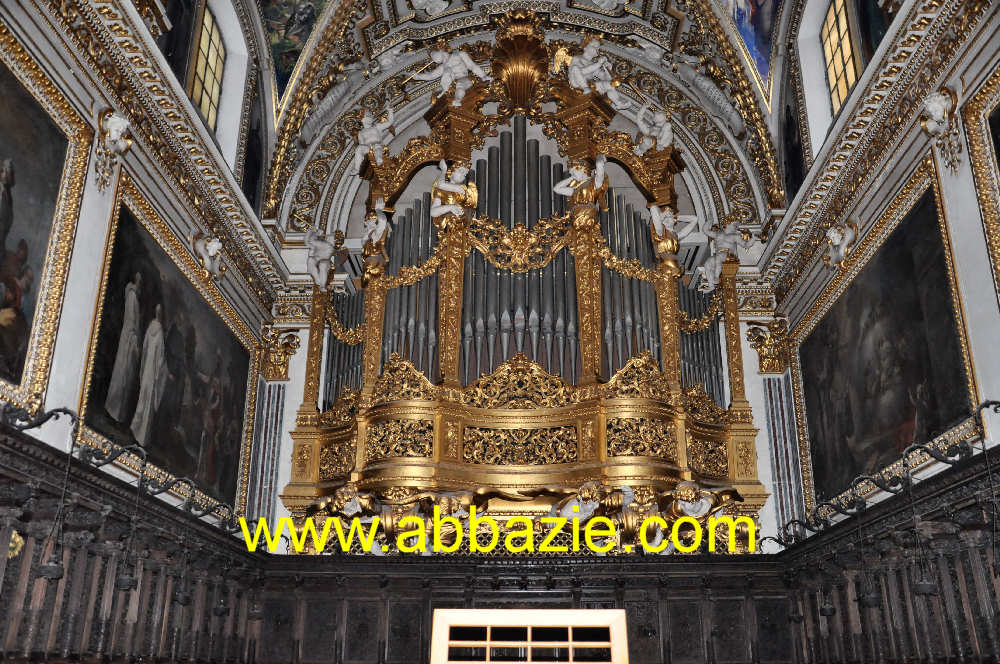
(644, 39)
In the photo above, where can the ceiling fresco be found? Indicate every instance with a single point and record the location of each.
(289, 24)
(755, 21)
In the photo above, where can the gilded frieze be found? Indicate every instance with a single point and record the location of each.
(642, 436)
(520, 447)
(399, 438)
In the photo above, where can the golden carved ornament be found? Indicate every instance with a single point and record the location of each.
(15, 545)
(642, 436)
(278, 349)
(336, 459)
(399, 438)
(342, 412)
(400, 381)
(521, 58)
(519, 249)
(519, 383)
(640, 378)
(774, 350)
(703, 322)
(708, 458)
(350, 336)
(700, 406)
(520, 447)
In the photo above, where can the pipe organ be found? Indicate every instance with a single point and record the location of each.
(512, 338)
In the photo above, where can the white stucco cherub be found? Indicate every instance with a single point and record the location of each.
(373, 137)
(376, 224)
(209, 253)
(321, 250)
(453, 66)
(937, 108)
(590, 68)
(725, 244)
(656, 132)
(840, 240)
(387, 59)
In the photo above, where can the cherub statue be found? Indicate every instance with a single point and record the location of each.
(665, 234)
(591, 70)
(453, 66)
(694, 71)
(450, 194)
(585, 191)
(840, 239)
(937, 108)
(388, 58)
(657, 132)
(115, 133)
(725, 244)
(430, 7)
(321, 250)
(347, 80)
(373, 137)
(208, 251)
(376, 224)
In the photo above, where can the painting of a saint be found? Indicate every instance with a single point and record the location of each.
(168, 374)
(755, 21)
(32, 156)
(883, 369)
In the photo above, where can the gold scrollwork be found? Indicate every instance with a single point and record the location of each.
(519, 249)
(399, 438)
(700, 406)
(342, 412)
(519, 383)
(641, 436)
(640, 378)
(400, 381)
(708, 458)
(336, 459)
(772, 345)
(523, 447)
(350, 336)
(278, 349)
(701, 323)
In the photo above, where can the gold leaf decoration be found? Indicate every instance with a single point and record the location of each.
(401, 381)
(523, 447)
(641, 436)
(342, 412)
(399, 438)
(640, 378)
(520, 249)
(708, 458)
(336, 459)
(700, 406)
(519, 383)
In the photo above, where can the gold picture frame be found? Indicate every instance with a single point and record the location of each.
(30, 392)
(129, 195)
(985, 169)
(925, 176)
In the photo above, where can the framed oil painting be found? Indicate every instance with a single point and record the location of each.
(43, 159)
(887, 365)
(170, 361)
(755, 22)
(982, 125)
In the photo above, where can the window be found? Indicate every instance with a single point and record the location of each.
(528, 635)
(840, 53)
(210, 58)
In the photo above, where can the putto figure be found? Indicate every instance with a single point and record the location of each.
(450, 195)
(209, 253)
(321, 250)
(657, 132)
(585, 191)
(665, 234)
(591, 70)
(453, 66)
(840, 241)
(725, 244)
(373, 137)
(376, 225)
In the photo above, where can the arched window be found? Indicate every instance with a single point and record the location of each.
(205, 86)
(841, 53)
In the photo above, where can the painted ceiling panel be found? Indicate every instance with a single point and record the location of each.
(755, 21)
(289, 24)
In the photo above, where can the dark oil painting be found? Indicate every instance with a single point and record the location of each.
(289, 24)
(884, 369)
(32, 157)
(168, 373)
(995, 133)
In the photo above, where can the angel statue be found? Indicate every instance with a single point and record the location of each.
(585, 191)
(657, 132)
(209, 253)
(387, 59)
(373, 137)
(453, 66)
(321, 250)
(840, 239)
(376, 225)
(591, 70)
(451, 195)
(725, 245)
(665, 234)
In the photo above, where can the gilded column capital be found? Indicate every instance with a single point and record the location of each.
(772, 346)
(278, 349)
